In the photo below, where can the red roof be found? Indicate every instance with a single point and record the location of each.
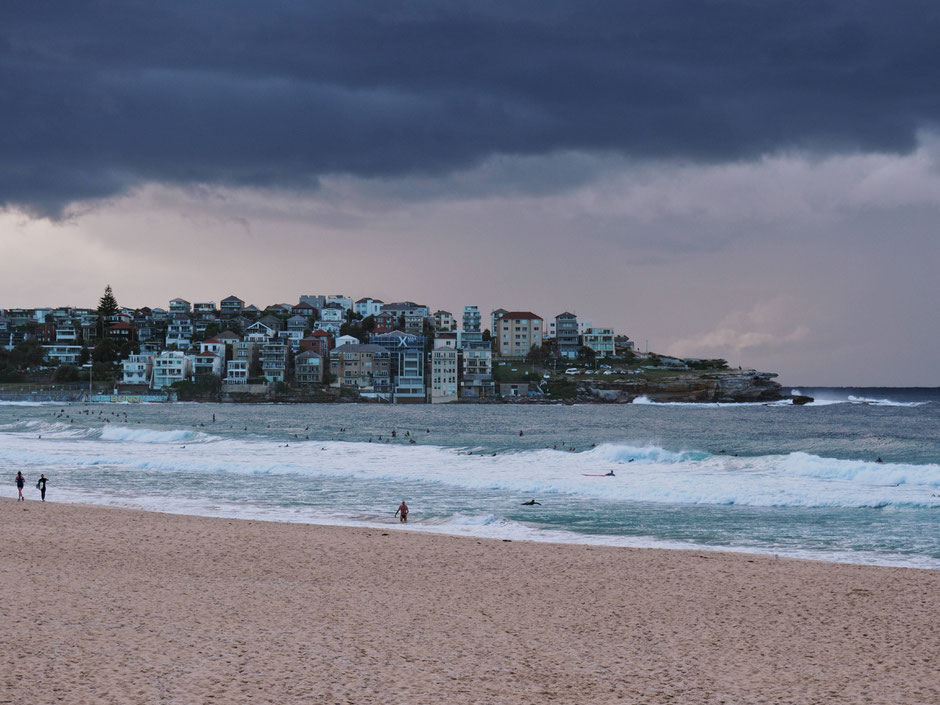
(520, 316)
(121, 325)
(213, 340)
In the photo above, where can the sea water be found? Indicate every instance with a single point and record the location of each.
(798, 481)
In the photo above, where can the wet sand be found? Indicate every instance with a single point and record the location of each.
(105, 605)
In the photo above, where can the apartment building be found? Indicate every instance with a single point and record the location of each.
(600, 340)
(444, 321)
(171, 366)
(567, 340)
(308, 368)
(444, 374)
(517, 333)
(369, 307)
(275, 359)
(231, 306)
(137, 369)
(180, 306)
(407, 364)
(365, 368)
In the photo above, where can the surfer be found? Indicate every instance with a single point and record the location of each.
(879, 460)
(41, 486)
(610, 474)
(402, 511)
(530, 503)
(20, 481)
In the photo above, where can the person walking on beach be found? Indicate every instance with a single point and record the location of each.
(21, 481)
(41, 485)
(403, 511)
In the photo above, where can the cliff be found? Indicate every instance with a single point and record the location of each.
(730, 386)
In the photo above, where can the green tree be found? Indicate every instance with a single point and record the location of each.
(66, 373)
(586, 353)
(539, 355)
(29, 353)
(107, 304)
(108, 351)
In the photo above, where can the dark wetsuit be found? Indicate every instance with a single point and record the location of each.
(41, 484)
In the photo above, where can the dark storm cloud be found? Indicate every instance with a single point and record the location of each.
(100, 96)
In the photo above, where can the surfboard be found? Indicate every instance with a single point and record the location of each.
(589, 474)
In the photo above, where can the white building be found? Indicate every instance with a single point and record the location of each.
(237, 372)
(344, 339)
(275, 361)
(65, 354)
(169, 367)
(444, 363)
(208, 363)
(600, 340)
(65, 333)
(331, 318)
(344, 302)
(259, 332)
(180, 334)
(137, 369)
(369, 307)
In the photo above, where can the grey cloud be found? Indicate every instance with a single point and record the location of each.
(102, 96)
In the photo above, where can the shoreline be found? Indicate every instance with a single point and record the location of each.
(552, 537)
(130, 606)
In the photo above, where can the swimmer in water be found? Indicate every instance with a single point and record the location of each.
(530, 503)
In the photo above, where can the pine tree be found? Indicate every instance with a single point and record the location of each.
(107, 305)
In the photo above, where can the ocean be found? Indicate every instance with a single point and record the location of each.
(795, 481)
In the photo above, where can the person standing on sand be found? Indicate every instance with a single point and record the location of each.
(21, 481)
(41, 485)
(403, 511)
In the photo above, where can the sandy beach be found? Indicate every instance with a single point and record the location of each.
(104, 605)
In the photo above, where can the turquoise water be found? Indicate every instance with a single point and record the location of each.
(795, 481)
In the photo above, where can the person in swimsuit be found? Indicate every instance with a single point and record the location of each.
(41, 485)
(20, 482)
(402, 511)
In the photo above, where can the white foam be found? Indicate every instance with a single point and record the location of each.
(854, 399)
(147, 435)
(644, 400)
(487, 526)
(656, 475)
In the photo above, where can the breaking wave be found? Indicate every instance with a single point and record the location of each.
(147, 435)
(648, 474)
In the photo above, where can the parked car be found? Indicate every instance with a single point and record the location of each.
(572, 371)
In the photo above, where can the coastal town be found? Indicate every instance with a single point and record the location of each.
(331, 347)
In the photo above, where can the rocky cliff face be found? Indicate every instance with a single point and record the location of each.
(732, 386)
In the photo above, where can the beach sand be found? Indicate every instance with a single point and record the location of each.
(103, 605)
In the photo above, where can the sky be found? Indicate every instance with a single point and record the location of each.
(758, 181)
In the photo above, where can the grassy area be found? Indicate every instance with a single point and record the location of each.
(521, 373)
